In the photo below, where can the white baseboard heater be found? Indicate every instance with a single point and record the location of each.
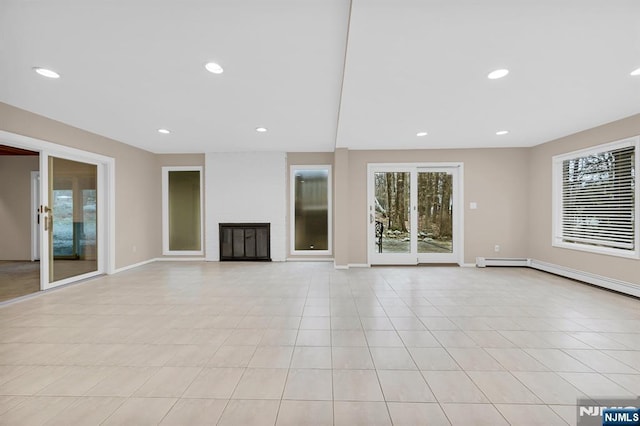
(482, 262)
(597, 280)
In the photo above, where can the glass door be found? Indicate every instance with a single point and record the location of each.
(70, 221)
(437, 211)
(413, 215)
(390, 216)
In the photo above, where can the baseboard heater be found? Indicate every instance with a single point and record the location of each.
(482, 262)
(597, 280)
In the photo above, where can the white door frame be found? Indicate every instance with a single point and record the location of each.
(375, 258)
(292, 210)
(166, 251)
(35, 216)
(106, 201)
(414, 257)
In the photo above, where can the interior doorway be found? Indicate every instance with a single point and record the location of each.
(19, 245)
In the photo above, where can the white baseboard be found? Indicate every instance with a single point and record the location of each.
(351, 265)
(311, 259)
(135, 265)
(359, 265)
(468, 265)
(599, 280)
(179, 259)
(340, 266)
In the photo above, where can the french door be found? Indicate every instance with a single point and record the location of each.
(414, 214)
(71, 228)
(74, 228)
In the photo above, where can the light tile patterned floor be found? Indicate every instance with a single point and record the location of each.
(302, 343)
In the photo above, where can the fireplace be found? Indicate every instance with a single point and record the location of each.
(245, 241)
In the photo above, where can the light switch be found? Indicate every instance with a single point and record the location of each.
(473, 205)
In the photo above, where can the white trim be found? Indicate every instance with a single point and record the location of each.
(111, 219)
(358, 265)
(401, 166)
(44, 240)
(106, 204)
(134, 265)
(73, 279)
(165, 211)
(459, 237)
(340, 266)
(292, 206)
(54, 149)
(556, 200)
(180, 259)
(598, 280)
(622, 143)
(35, 215)
(309, 259)
(467, 265)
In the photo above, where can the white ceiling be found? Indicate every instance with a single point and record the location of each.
(318, 74)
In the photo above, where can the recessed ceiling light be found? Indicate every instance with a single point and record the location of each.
(494, 75)
(46, 72)
(214, 68)
(164, 131)
(421, 134)
(502, 132)
(635, 72)
(261, 129)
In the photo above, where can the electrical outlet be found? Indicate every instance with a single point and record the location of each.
(496, 248)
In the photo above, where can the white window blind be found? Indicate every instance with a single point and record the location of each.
(598, 199)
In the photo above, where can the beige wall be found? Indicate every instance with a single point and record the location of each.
(493, 178)
(15, 206)
(138, 188)
(540, 204)
(342, 233)
(511, 186)
(180, 160)
(304, 159)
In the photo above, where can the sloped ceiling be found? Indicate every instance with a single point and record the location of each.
(320, 74)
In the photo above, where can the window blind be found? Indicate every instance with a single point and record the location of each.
(598, 199)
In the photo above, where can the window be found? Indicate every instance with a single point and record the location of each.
(182, 210)
(596, 199)
(311, 210)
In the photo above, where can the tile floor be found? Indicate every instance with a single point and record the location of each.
(18, 279)
(302, 343)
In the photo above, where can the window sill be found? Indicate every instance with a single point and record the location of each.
(598, 250)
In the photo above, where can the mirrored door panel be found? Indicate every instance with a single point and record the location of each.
(72, 219)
